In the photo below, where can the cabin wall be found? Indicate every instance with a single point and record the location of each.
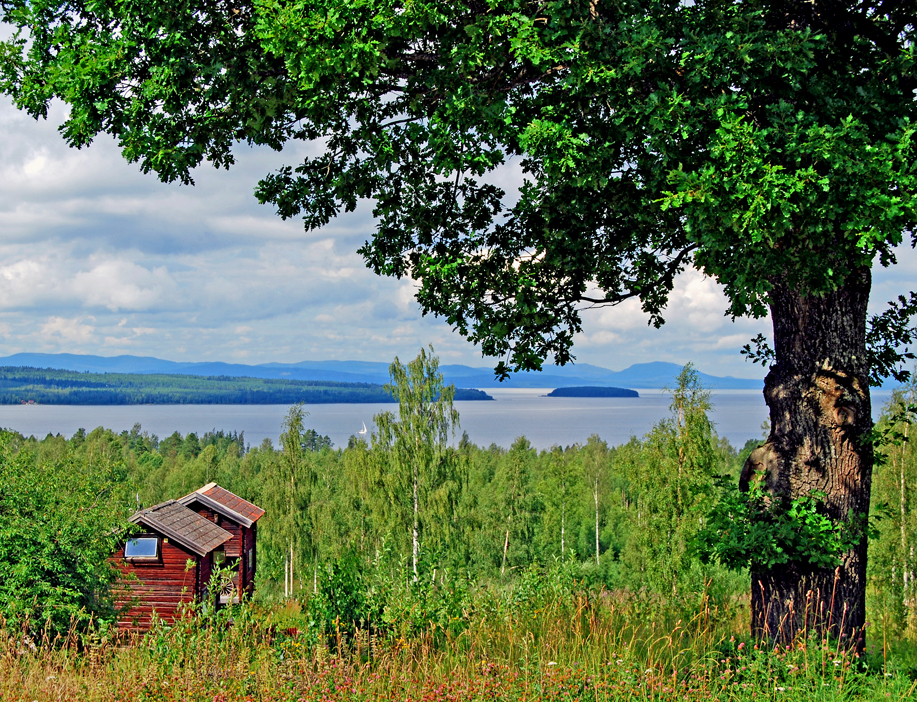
(233, 547)
(162, 586)
(250, 543)
(204, 571)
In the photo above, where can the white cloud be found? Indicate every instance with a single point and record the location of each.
(70, 330)
(118, 284)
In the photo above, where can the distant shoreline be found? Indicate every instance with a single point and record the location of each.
(592, 391)
(48, 386)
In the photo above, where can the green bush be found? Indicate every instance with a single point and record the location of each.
(753, 529)
(59, 523)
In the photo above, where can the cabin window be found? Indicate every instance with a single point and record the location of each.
(251, 558)
(144, 547)
(219, 557)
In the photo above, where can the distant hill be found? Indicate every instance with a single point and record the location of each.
(592, 391)
(656, 374)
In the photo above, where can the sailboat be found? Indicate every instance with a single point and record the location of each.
(364, 429)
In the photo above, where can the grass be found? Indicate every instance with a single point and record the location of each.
(599, 646)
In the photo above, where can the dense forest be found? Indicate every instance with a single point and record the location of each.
(627, 518)
(49, 386)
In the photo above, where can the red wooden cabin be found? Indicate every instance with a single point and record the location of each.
(171, 560)
(240, 518)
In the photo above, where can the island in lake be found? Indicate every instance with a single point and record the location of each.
(592, 392)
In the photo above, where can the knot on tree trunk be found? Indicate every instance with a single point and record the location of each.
(837, 397)
(762, 465)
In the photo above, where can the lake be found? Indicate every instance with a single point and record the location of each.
(546, 421)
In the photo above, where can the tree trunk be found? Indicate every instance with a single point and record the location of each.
(415, 531)
(505, 549)
(595, 494)
(817, 392)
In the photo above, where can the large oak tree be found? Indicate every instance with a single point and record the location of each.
(769, 143)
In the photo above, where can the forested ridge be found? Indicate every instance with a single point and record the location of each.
(61, 387)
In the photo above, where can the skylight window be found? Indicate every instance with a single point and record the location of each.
(142, 547)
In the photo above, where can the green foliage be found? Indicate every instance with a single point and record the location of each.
(892, 593)
(514, 507)
(339, 604)
(60, 520)
(673, 472)
(753, 530)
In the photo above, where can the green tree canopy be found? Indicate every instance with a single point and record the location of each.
(752, 139)
(767, 142)
(61, 517)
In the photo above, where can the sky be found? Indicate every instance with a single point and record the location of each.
(98, 258)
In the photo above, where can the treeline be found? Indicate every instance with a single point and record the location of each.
(60, 387)
(418, 506)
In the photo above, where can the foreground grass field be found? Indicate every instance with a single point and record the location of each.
(601, 647)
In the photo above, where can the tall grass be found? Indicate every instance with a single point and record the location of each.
(506, 644)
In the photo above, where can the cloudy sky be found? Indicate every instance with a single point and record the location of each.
(97, 258)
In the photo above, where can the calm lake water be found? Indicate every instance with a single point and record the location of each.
(546, 421)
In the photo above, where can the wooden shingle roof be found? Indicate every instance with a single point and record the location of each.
(187, 527)
(225, 503)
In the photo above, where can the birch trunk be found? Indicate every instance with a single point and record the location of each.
(415, 532)
(595, 494)
(505, 549)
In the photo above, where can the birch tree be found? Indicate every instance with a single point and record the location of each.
(595, 459)
(287, 496)
(514, 501)
(558, 486)
(417, 471)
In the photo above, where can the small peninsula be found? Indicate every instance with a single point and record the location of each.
(48, 386)
(592, 392)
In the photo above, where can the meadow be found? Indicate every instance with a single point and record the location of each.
(548, 637)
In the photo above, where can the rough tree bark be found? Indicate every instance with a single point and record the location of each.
(817, 392)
